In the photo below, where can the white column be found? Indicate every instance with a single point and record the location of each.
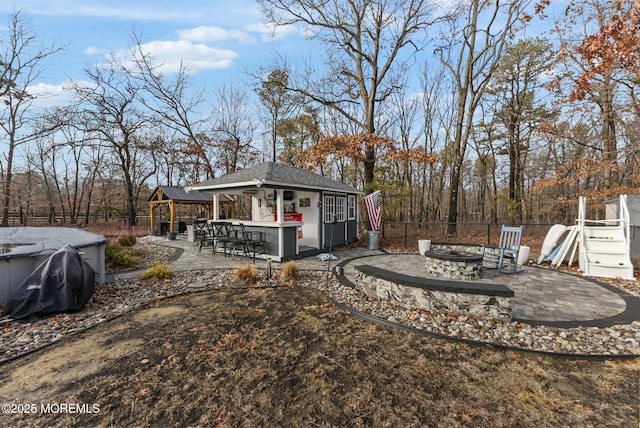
(280, 211)
(280, 206)
(216, 207)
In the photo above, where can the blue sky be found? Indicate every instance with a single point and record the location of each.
(217, 40)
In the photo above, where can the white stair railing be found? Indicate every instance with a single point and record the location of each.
(625, 221)
(583, 259)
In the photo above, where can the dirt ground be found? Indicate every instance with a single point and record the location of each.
(288, 357)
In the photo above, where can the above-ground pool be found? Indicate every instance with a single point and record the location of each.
(23, 249)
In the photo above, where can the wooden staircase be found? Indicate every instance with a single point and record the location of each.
(604, 245)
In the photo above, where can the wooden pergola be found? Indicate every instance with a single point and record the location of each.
(174, 197)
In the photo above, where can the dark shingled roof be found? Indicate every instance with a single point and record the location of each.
(275, 174)
(180, 194)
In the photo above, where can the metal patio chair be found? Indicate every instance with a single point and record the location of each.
(200, 233)
(250, 241)
(208, 238)
(224, 235)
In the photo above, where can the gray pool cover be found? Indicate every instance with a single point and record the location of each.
(44, 240)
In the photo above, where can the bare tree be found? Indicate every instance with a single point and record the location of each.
(43, 154)
(233, 129)
(437, 114)
(175, 101)
(22, 61)
(110, 111)
(78, 152)
(364, 40)
(484, 139)
(405, 116)
(173, 167)
(474, 48)
(27, 195)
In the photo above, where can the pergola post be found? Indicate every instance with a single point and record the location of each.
(172, 215)
(152, 207)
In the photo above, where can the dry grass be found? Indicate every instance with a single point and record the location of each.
(290, 271)
(247, 274)
(265, 357)
(127, 240)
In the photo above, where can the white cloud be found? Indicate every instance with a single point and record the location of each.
(272, 32)
(195, 57)
(92, 50)
(48, 95)
(205, 33)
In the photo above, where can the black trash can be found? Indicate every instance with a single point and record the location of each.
(164, 228)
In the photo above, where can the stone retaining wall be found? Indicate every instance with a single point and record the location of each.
(470, 248)
(489, 300)
(461, 266)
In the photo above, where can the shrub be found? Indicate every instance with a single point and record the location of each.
(117, 255)
(158, 270)
(127, 240)
(290, 271)
(247, 273)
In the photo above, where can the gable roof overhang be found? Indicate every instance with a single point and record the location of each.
(273, 175)
(164, 194)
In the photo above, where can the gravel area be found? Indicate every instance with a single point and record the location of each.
(114, 299)
(615, 340)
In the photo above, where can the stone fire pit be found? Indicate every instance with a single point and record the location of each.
(453, 264)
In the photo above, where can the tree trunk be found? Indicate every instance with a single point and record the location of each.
(608, 133)
(6, 190)
(454, 183)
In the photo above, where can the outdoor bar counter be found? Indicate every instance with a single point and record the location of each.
(281, 237)
(300, 213)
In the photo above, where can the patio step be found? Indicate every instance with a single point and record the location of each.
(607, 252)
(604, 244)
(610, 270)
